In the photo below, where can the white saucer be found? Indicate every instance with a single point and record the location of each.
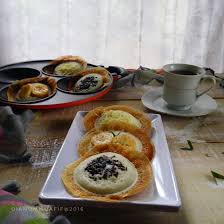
(154, 101)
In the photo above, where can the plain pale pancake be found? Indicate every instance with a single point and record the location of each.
(106, 173)
(118, 116)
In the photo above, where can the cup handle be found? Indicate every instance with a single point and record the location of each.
(213, 80)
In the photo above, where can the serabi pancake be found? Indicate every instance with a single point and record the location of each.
(31, 89)
(139, 161)
(130, 137)
(88, 83)
(69, 65)
(116, 117)
(92, 79)
(105, 173)
(98, 70)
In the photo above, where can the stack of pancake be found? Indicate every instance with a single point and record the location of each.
(115, 155)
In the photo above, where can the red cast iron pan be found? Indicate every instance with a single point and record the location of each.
(60, 99)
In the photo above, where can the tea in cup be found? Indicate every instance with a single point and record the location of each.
(181, 82)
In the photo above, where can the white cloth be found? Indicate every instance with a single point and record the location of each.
(113, 32)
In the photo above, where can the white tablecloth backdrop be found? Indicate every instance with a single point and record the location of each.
(118, 32)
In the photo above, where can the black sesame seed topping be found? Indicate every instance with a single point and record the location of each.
(87, 83)
(104, 167)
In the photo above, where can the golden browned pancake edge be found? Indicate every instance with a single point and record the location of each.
(140, 161)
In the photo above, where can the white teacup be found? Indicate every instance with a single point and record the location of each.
(181, 82)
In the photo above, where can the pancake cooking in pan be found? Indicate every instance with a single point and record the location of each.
(89, 81)
(65, 66)
(31, 90)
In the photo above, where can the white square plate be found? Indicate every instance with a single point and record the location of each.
(161, 195)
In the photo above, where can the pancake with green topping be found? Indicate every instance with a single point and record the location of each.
(116, 117)
(68, 68)
(68, 65)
